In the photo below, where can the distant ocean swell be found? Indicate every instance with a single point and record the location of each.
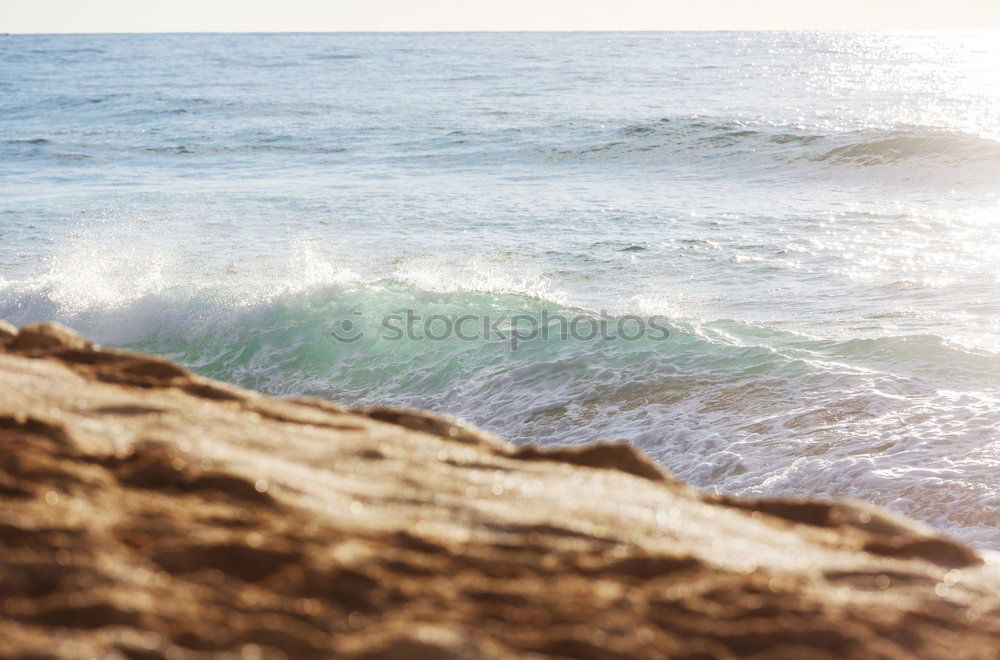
(787, 143)
(682, 141)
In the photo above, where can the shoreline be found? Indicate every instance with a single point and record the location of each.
(149, 512)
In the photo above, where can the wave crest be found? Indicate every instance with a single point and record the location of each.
(692, 140)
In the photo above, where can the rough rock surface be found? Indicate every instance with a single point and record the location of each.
(148, 512)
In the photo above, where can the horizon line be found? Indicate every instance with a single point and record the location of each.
(512, 31)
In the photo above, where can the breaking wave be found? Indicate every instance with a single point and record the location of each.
(727, 405)
(717, 141)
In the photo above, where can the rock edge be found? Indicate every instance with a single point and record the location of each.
(149, 512)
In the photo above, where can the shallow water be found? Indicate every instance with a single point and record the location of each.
(813, 217)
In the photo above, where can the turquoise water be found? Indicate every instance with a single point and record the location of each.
(814, 218)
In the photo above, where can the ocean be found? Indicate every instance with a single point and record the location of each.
(769, 260)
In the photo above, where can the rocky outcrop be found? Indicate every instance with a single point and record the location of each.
(147, 512)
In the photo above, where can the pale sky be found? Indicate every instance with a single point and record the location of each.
(407, 15)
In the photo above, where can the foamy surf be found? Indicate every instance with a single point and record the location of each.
(725, 405)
